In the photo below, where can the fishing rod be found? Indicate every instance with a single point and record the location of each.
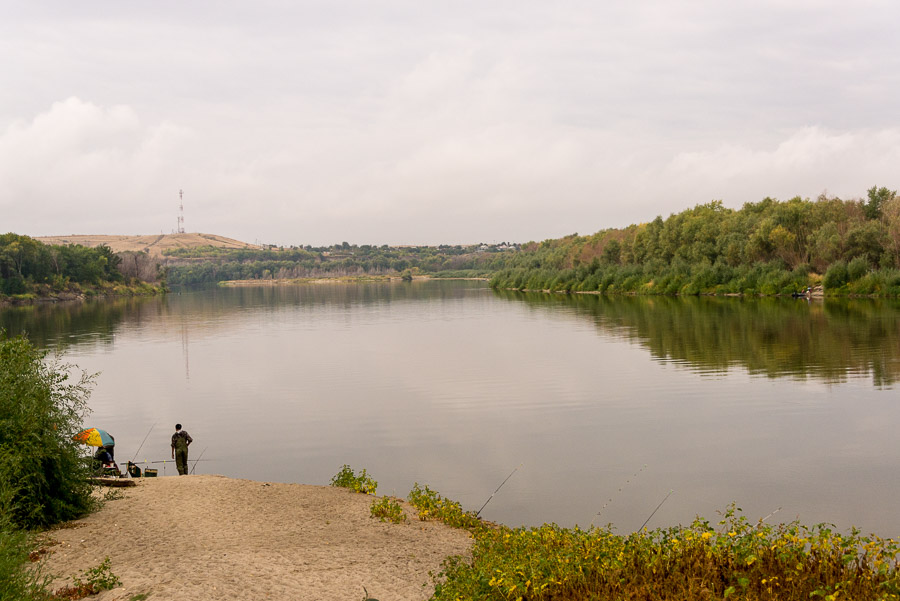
(770, 515)
(166, 461)
(621, 488)
(143, 441)
(196, 460)
(655, 510)
(477, 513)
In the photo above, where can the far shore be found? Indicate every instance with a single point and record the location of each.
(350, 279)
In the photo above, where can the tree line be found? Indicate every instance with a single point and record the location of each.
(767, 247)
(29, 266)
(210, 264)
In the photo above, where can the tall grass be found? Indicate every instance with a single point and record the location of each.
(19, 580)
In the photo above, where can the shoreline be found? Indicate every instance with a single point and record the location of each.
(78, 297)
(350, 279)
(210, 538)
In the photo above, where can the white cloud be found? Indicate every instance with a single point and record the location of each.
(85, 167)
(808, 161)
(398, 122)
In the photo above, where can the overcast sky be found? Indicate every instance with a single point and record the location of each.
(417, 122)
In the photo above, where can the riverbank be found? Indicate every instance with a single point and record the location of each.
(209, 537)
(816, 292)
(80, 294)
(338, 280)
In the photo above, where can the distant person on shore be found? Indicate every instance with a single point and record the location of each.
(181, 440)
(104, 462)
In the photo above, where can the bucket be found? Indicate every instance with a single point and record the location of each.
(133, 470)
(150, 473)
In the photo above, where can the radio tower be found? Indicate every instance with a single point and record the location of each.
(180, 229)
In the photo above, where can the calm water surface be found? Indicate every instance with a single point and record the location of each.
(606, 404)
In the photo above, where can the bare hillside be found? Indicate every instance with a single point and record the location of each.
(153, 245)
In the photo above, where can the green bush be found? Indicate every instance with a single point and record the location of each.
(388, 509)
(43, 477)
(347, 478)
(836, 276)
(737, 560)
(857, 268)
(431, 505)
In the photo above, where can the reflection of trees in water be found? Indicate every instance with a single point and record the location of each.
(826, 340)
(62, 325)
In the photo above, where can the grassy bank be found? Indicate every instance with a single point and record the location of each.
(76, 292)
(734, 559)
(761, 279)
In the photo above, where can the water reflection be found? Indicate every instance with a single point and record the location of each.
(95, 322)
(828, 341)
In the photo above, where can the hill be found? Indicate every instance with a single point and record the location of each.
(152, 245)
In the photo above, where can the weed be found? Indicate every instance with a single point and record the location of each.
(112, 494)
(362, 482)
(388, 510)
(737, 560)
(90, 582)
(431, 505)
(19, 579)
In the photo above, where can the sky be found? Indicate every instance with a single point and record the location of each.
(435, 122)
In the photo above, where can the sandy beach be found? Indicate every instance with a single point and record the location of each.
(207, 538)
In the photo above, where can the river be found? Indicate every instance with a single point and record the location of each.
(601, 405)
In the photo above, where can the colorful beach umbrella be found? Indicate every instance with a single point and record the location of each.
(95, 437)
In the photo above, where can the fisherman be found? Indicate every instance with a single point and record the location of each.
(181, 440)
(104, 462)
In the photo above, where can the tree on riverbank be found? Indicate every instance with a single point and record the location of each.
(29, 267)
(769, 247)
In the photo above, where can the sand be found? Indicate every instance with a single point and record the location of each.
(206, 538)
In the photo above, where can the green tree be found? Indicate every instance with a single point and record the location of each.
(612, 252)
(877, 199)
(866, 240)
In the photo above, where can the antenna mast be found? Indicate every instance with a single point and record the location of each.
(180, 229)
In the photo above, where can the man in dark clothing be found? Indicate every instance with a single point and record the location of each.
(181, 440)
(104, 463)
